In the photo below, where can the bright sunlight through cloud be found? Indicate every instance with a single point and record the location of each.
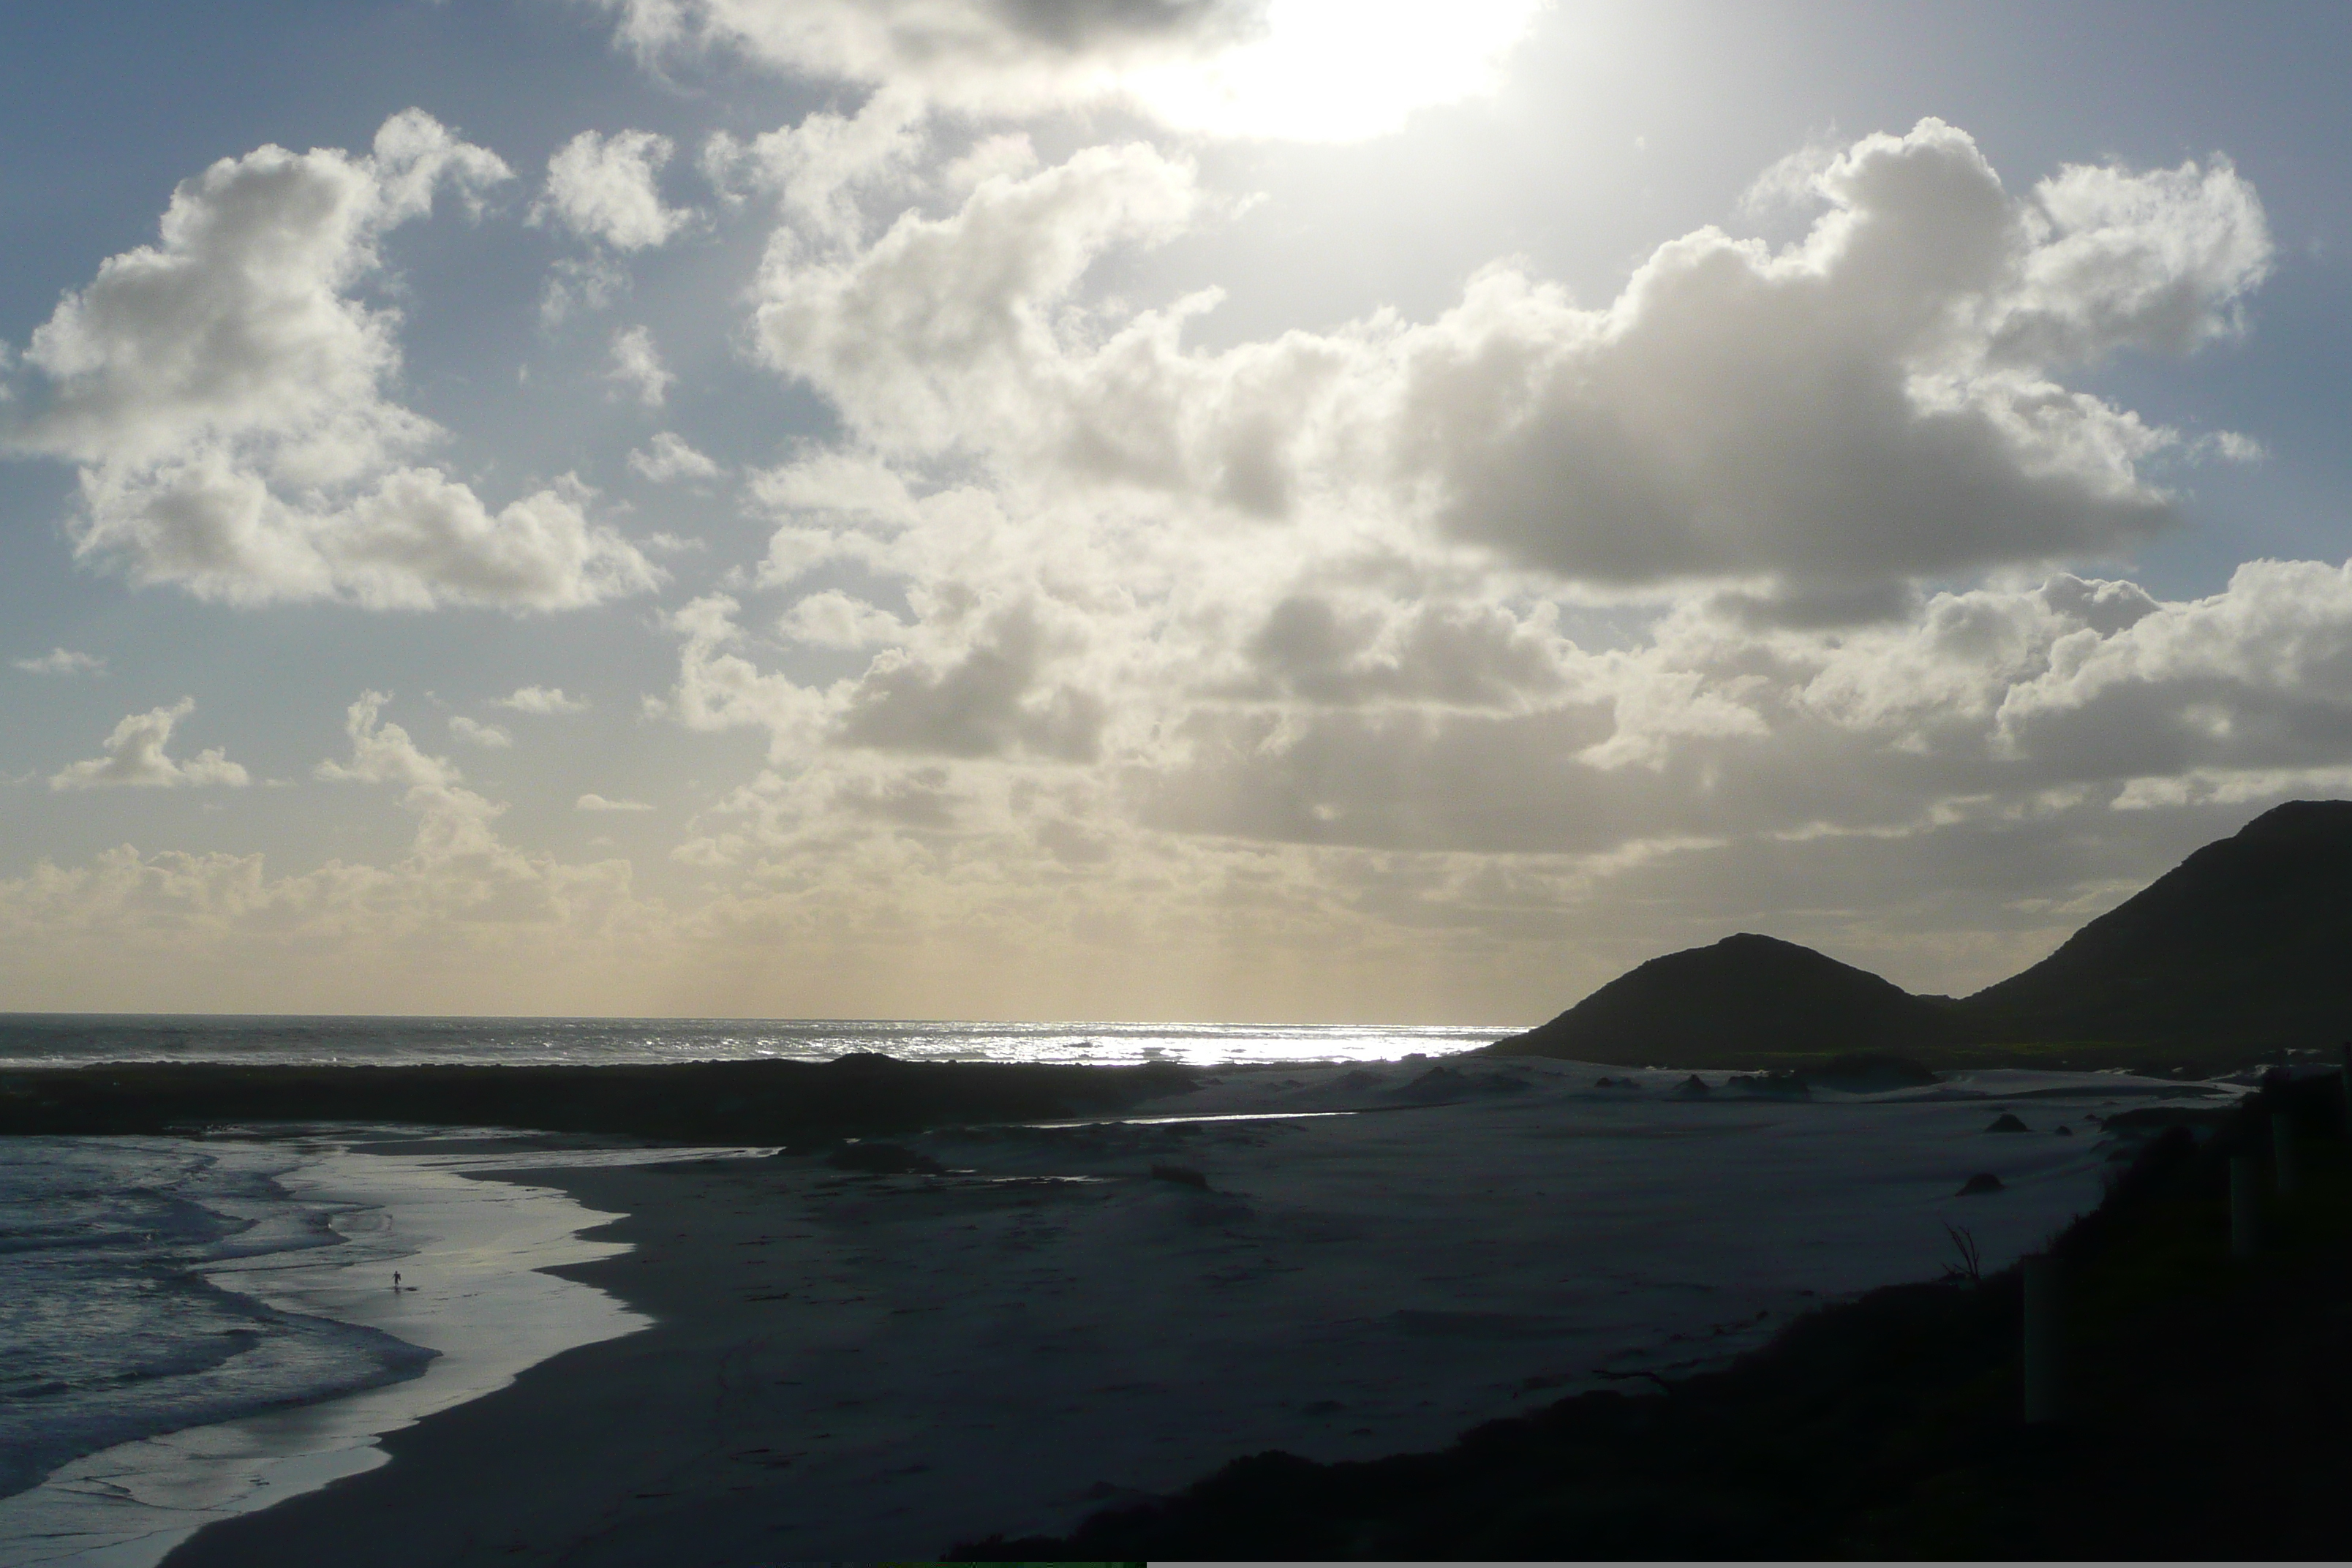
(1339, 70)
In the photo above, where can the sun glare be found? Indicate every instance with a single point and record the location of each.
(1340, 70)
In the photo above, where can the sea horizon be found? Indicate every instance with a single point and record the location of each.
(53, 1040)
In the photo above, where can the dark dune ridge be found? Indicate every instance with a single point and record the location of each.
(2202, 1416)
(2236, 953)
(697, 1103)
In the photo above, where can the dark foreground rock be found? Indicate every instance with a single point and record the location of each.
(2207, 1405)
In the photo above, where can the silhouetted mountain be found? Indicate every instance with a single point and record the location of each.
(1747, 1001)
(2243, 948)
(2245, 944)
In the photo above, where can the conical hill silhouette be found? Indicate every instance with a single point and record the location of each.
(2243, 948)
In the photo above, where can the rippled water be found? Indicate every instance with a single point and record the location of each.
(110, 1331)
(46, 1040)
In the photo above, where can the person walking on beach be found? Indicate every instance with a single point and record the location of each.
(396, 1279)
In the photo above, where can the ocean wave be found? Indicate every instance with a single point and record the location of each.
(109, 1330)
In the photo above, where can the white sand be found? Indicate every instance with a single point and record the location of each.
(855, 1366)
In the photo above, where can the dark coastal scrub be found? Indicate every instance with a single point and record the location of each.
(746, 1101)
(2203, 1404)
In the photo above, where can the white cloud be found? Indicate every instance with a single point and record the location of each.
(221, 392)
(606, 189)
(833, 619)
(542, 699)
(637, 365)
(487, 736)
(2257, 677)
(671, 459)
(1345, 652)
(1371, 630)
(135, 756)
(990, 699)
(819, 169)
(61, 661)
(598, 803)
(589, 283)
(383, 753)
(1310, 69)
(2229, 447)
(943, 333)
(718, 689)
(459, 916)
(1873, 403)
(1008, 156)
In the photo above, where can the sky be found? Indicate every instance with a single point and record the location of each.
(1227, 510)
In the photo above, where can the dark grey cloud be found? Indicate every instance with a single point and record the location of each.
(987, 702)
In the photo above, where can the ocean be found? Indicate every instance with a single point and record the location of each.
(151, 1286)
(35, 1039)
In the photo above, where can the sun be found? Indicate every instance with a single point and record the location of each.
(1338, 70)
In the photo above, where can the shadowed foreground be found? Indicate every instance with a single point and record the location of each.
(2207, 1403)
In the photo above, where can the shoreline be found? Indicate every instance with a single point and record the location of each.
(481, 1309)
(846, 1366)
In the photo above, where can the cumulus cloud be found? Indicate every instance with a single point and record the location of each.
(588, 283)
(542, 699)
(718, 689)
(1433, 642)
(670, 459)
(1310, 70)
(606, 189)
(459, 916)
(820, 168)
(61, 661)
(637, 366)
(383, 753)
(2254, 678)
(1489, 623)
(990, 699)
(135, 756)
(944, 333)
(221, 392)
(833, 619)
(598, 803)
(1984, 703)
(1875, 402)
(473, 733)
(1312, 650)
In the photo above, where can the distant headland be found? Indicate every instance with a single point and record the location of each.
(2236, 954)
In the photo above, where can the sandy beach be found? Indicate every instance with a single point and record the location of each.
(846, 1365)
(491, 1310)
